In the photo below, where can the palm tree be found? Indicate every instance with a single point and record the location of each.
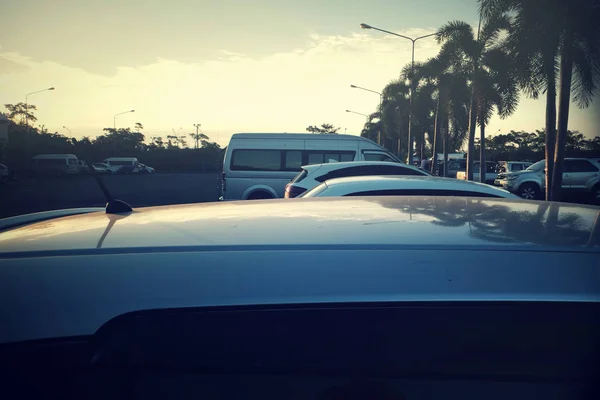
(394, 114)
(423, 107)
(475, 52)
(543, 30)
(449, 95)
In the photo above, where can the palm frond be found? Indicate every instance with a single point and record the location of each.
(586, 65)
(455, 29)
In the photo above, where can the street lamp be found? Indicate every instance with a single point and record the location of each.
(197, 126)
(380, 110)
(115, 118)
(412, 72)
(27, 116)
(27, 104)
(364, 115)
(115, 130)
(70, 133)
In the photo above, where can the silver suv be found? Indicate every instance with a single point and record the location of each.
(580, 175)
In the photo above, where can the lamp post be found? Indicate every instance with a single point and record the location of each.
(412, 72)
(70, 133)
(196, 137)
(115, 130)
(27, 104)
(380, 110)
(27, 117)
(364, 115)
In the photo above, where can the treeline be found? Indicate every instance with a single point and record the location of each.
(538, 48)
(172, 154)
(530, 146)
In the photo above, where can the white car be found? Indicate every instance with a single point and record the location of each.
(312, 175)
(338, 298)
(405, 186)
(103, 168)
(144, 169)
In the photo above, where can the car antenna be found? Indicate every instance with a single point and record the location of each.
(113, 206)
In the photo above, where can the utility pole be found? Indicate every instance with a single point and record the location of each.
(197, 135)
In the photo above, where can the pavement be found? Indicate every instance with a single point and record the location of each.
(42, 194)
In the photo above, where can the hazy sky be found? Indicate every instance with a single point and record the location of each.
(231, 65)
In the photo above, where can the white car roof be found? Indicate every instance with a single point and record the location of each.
(326, 167)
(410, 182)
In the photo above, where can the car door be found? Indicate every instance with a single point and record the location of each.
(578, 173)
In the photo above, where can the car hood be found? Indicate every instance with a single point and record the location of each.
(518, 173)
(362, 221)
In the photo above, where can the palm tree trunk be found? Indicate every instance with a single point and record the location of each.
(566, 74)
(436, 129)
(446, 134)
(550, 125)
(482, 166)
(472, 126)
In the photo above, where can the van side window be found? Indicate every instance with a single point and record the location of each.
(256, 160)
(293, 160)
(323, 157)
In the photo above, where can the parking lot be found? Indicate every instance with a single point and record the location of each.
(41, 194)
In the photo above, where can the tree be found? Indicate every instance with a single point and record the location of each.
(543, 30)
(490, 74)
(138, 126)
(197, 138)
(325, 128)
(451, 97)
(21, 111)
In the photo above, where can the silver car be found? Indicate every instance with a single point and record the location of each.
(580, 175)
(339, 298)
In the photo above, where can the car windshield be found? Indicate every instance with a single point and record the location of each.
(538, 166)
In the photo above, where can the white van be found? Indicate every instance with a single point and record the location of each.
(54, 164)
(259, 165)
(125, 165)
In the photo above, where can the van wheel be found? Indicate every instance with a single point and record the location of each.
(529, 191)
(260, 196)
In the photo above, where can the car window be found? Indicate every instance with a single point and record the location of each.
(299, 353)
(579, 166)
(538, 166)
(422, 192)
(293, 159)
(303, 173)
(378, 157)
(324, 157)
(256, 160)
(516, 167)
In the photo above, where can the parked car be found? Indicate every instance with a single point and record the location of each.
(490, 174)
(580, 175)
(54, 164)
(258, 166)
(382, 298)
(124, 165)
(512, 166)
(454, 166)
(404, 186)
(312, 175)
(145, 169)
(4, 173)
(83, 167)
(103, 168)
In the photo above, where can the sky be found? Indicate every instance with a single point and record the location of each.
(231, 66)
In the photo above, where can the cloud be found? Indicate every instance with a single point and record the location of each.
(233, 92)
